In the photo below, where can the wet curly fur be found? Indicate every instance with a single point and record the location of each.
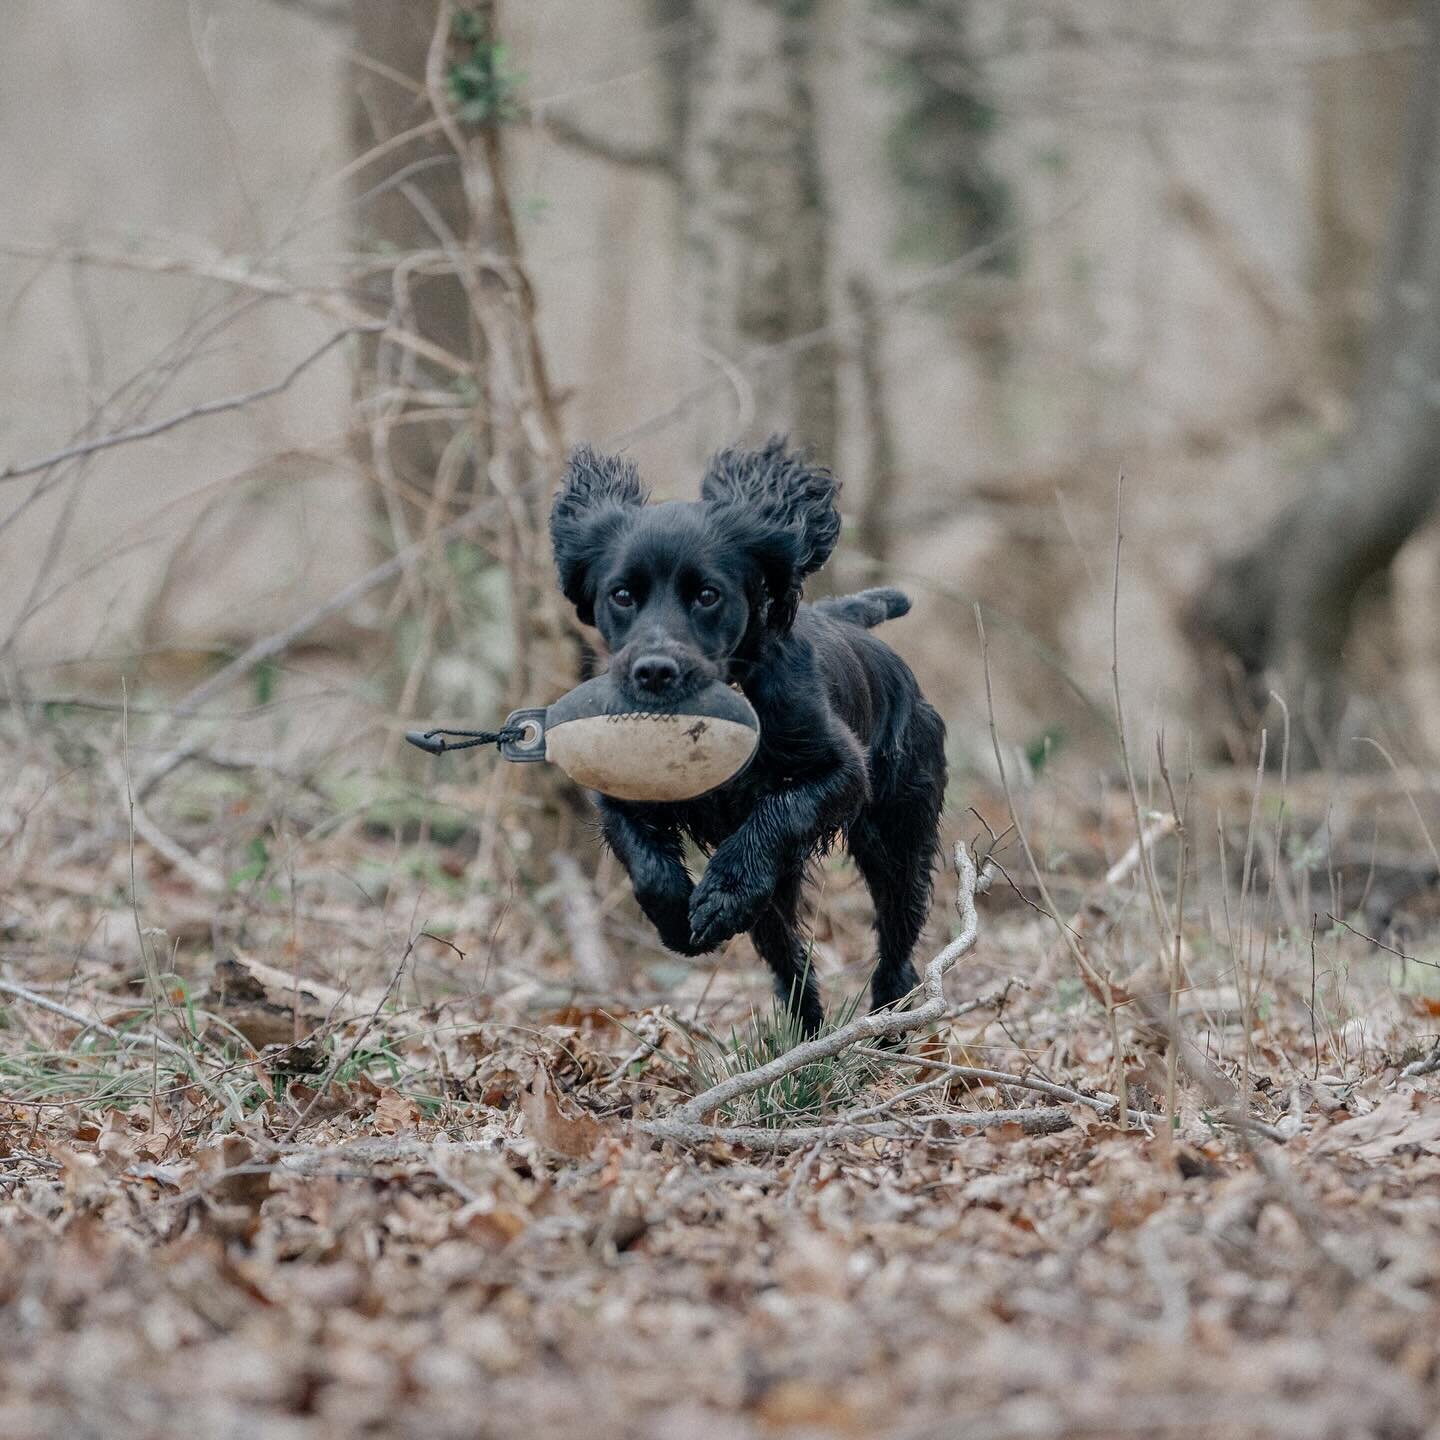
(685, 593)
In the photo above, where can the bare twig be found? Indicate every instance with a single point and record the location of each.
(628, 154)
(1147, 868)
(868, 1027)
(1409, 794)
(354, 1045)
(1191, 1057)
(1144, 841)
(269, 646)
(1427, 1066)
(583, 928)
(1099, 986)
(377, 1150)
(240, 272)
(1032, 1122)
(195, 412)
(1176, 959)
(86, 1022)
(1101, 1101)
(1380, 944)
(199, 874)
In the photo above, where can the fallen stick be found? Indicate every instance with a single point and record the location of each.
(197, 872)
(686, 1126)
(1102, 1101)
(1033, 1122)
(310, 1160)
(143, 1037)
(1157, 830)
(868, 1027)
(583, 929)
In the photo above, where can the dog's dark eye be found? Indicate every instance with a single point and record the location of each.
(622, 597)
(707, 597)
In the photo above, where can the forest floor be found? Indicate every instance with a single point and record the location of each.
(310, 1128)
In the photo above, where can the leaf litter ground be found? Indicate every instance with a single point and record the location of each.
(260, 1177)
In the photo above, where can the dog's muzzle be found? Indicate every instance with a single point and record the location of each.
(651, 670)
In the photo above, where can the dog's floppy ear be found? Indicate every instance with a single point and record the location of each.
(783, 509)
(590, 509)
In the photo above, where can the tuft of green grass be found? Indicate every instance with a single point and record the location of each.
(798, 1098)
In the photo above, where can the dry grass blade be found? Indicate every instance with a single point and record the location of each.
(342, 1060)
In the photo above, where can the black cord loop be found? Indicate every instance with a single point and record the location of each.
(426, 739)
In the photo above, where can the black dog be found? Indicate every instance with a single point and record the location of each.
(686, 593)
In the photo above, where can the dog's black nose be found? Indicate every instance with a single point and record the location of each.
(655, 673)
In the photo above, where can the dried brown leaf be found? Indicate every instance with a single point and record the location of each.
(573, 1136)
(394, 1113)
(1405, 1120)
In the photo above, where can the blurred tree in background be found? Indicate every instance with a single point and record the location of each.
(980, 256)
(444, 211)
(1282, 607)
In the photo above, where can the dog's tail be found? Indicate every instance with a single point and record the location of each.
(867, 608)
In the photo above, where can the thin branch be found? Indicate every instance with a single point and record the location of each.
(201, 875)
(148, 1037)
(267, 647)
(1380, 944)
(1409, 793)
(195, 412)
(629, 155)
(238, 272)
(868, 1027)
(1101, 1101)
(1177, 955)
(1032, 1122)
(374, 1150)
(1145, 839)
(354, 1045)
(1147, 868)
(1427, 1066)
(1099, 986)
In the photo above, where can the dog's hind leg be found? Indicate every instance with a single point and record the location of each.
(894, 844)
(776, 937)
(896, 862)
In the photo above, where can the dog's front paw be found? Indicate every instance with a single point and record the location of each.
(725, 902)
(669, 913)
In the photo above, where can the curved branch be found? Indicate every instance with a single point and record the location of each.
(868, 1027)
(195, 412)
(629, 155)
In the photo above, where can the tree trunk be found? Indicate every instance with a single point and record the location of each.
(403, 198)
(1280, 611)
(755, 222)
(447, 195)
(443, 193)
(410, 201)
(874, 529)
